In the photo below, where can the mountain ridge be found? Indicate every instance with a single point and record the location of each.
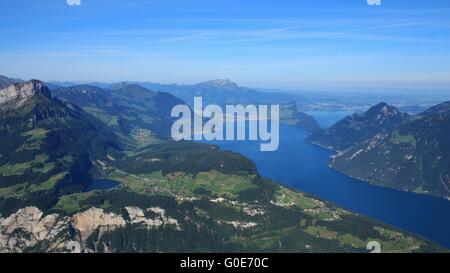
(357, 128)
(23, 91)
(47, 142)
(5, 81)
(409, 154)
(290, 114)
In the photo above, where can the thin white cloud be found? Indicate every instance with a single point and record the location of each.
(74, 2)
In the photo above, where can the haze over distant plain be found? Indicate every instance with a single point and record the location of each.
(291, 44)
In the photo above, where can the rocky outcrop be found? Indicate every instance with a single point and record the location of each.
(27, 227)
(20, 92)
(239, 224)
(85, 223)
(137, 216)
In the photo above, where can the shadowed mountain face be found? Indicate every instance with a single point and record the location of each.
(45, 141)
(5, 81)
(290, 114)
(407, 153)
(440, 109)
(358, 128)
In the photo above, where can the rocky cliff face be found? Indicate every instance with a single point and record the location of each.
(85, 223)
(29, 228)
(20, 92)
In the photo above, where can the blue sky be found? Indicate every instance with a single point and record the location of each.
(291, 44)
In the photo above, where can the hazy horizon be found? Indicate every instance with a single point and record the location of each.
(348, 89)
(289, 45)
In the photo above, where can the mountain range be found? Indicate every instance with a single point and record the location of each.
(222, 92)
(219, 91)
(170, 196)
(393, 149)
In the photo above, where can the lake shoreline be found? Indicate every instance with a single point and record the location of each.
(304, 166)
(372, 182)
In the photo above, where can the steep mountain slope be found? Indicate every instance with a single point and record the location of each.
(290, 114)
(46, 145)
(440, 109)
(358, 128)
(137, 114)
(413, 156)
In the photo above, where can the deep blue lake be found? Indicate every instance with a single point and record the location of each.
(304, 166)
(101, 184)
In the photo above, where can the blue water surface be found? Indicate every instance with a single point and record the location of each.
(101, 184)
(305, 167)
